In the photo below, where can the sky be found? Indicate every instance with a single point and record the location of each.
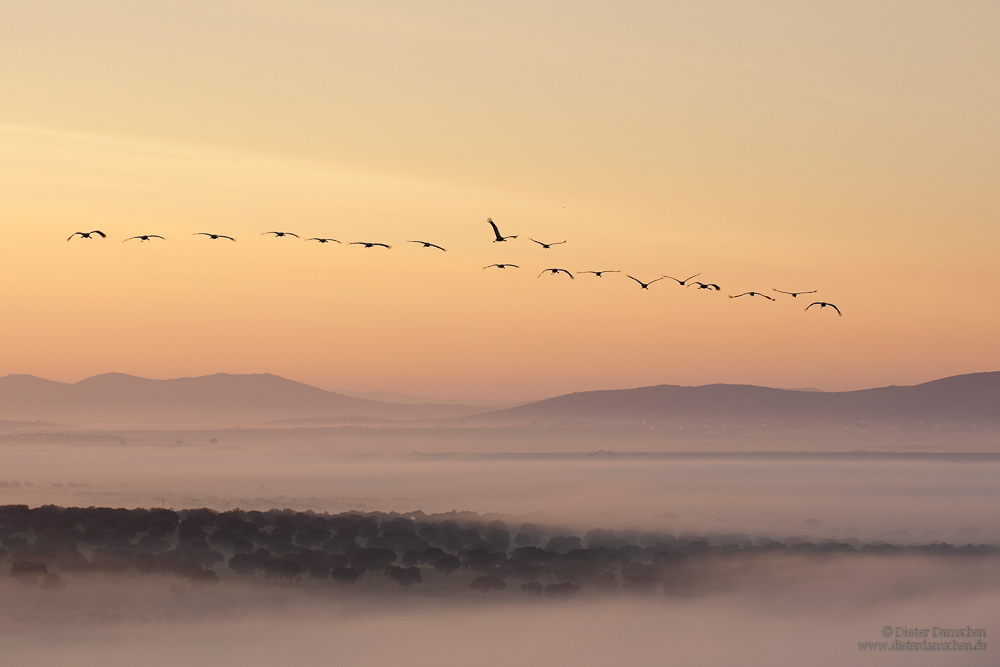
(846, 147)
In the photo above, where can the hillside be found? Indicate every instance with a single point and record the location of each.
(223, 400)
(965, 399)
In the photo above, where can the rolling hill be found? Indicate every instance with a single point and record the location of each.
(221, 400)
(962, 399)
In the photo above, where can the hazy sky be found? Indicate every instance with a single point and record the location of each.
(845, 147)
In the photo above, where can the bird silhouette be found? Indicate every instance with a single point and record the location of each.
(548, 245)
(500, 238)
(427, 244)
(278, 235)
(501, 266)
(213, 236)
(316, 238)
(555, 272)
(791, 294)
(599, 273)
(87, 235)
(144, 237)
(370, 245)
(824, 304)
(682, 283)
(700, 285)
(751, 294)
(645, 285)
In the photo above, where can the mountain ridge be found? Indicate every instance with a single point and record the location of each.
(969, 398)
(265, 399)
(221, 399)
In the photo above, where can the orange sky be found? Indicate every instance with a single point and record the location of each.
(850, 148)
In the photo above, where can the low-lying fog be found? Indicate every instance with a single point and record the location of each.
(895, 500)
(807, 613)
(773, 611)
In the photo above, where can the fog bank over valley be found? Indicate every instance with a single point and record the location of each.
(102, 586)
(251, 520)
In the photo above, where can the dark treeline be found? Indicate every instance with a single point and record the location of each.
(285, 546)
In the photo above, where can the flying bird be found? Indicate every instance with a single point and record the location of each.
(500, 238)
(751, 294)
(599, 273)
(214, 236)
(427, 244)
(501, 266)
(144, 237)
(682, 283)
(555, 272)
(700, 285)
(370, 245)
(548, 245)
(278, 235)
(645, 285)
(792, 294)
(87, 235)
(316, 238)
(824, 304)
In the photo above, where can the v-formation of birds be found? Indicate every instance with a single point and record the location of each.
(498, 238)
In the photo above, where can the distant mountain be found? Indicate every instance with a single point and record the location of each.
(966, 399)
(223, 400)
(408, 399)
(220, 400)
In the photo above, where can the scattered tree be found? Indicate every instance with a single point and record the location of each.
(485, 583)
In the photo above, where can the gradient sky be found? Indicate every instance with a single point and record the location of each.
(849, 147)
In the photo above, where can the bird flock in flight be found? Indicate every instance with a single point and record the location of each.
(498, 238)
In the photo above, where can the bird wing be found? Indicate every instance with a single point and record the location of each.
(694, 276)
(731, 296)
(557, 243)
(72, 235)
(358, 243)
(538, 242)
(223, 236)
(99, 233)
(495, 230)
(837, 309)
(717, 288)
(814, 303)
(653, 281)
(427, 244)
(388, 247)
(637, 280)
(767, 297)
(672, 278)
